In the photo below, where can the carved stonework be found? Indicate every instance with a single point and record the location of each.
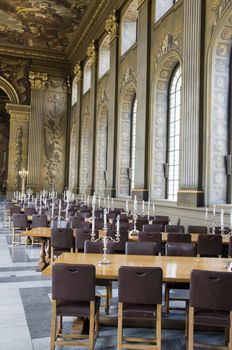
(18, 155)
(15, 71)
(220, 11)
(140, 2)
(91, 53)
(38, 80)
(54, 139)
(85, 143)
(170, 42)
(73, 158)
(77, 72)
(112, 26)
(129, 77)
(19, 116)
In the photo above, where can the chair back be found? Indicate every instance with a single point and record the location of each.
(97, 247)
(67, 279)
(211, 290)
(29, 211)
(197, 229)
(39, 220)
(15, 210)
(141, 248)
(230, 247)
(59, 224)
(180, 249)
(140, 285)
(153, 228)
(209, 245)
(120, 246)
(62, 238)
(179, 237)
(155, 237)
(81, 237)
(174, 228)
(19, 221)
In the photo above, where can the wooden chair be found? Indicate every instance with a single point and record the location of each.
(152, 228)
(174, 228)
(210, 304)
(179, 237)
(97, 248)
(209, 245)
(155, 237)
(230, 248)
(20, 224)
(61, 241)
(141, 248)
(140, 297)
(68, 299)
(197, 229)
(177, 249)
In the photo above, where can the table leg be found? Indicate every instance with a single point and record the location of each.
(48, 251)
(42, 262)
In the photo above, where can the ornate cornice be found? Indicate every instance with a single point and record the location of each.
(129, 77)
(112, 26)
(91, 53)
(77, 72)
(170, 42)
(38, 80)
(18, 112)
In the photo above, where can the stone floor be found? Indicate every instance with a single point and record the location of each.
(25, 305)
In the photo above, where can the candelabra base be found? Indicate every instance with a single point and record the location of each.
(104, 261)
(133, 233)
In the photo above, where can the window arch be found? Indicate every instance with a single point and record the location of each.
(173, 129)
(104, 57)
(87, 77)
(162, 6)
(129, 27)
(132, 143)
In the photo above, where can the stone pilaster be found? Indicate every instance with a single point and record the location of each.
(190, 193)
(18, 144)
(38, 84)
(92, 54)
(112, 28)
(143, 63)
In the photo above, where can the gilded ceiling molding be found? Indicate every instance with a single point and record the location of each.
(77, 72)
(170, 42)
(38, 80)
(31, 53)
(112, 26)
(18, 112)
(91, 53)
(219, 11)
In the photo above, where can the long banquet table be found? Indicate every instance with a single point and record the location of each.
(175, 269)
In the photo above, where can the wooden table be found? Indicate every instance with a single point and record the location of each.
(175, 269)
(43, 235)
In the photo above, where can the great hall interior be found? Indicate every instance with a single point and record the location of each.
(115, 174)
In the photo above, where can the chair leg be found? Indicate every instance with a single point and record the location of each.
(97, 323)
(107, 299)
(167, 299)
(60, 325)
(120, 331)
(91, 325)
(230, 332)
(190, 328)
(53, 328)
(158, 326)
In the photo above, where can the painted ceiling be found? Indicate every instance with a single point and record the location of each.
(40, 24)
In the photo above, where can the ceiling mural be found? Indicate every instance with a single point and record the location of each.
(40, 24)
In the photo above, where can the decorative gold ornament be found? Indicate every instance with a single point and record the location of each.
(112, 26)
(77, 72)
(91, 53)
(38, 80)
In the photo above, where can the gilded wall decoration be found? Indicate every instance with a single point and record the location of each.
(54, 140)
(91, 53)
(18, 154)
(169, 43)
(15, 71)
(77, 72)
(42, 24)
(112, 26)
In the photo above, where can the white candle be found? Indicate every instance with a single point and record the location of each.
(105, 222)
(117, 227)
(112, 203)
(135, 203)
(126, 206)
(206, 213)
(99, 201)
(231, 218)
(222, 218)
(214, 209)
(148, 209)
(153, 208)
(59, 211)
(52, 209)
(143, 206)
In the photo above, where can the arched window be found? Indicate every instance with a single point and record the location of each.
(129, 27)
(132, 143)
(87, 77)
(174, 120)
(162, 6)
(104, 57)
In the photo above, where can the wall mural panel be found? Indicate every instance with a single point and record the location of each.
(55, 120)
(45, 24)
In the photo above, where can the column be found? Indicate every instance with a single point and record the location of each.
(38, 84)
(68, 132)
(18, 144)
(92, 54)
(78, 73)
(142, 127)
(112, 28)
(190, 193)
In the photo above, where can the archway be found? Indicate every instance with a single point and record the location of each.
(4, 140)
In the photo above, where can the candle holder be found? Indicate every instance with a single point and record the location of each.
(211, 221)
(105, 239)
(23, 174)
(134, 231)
